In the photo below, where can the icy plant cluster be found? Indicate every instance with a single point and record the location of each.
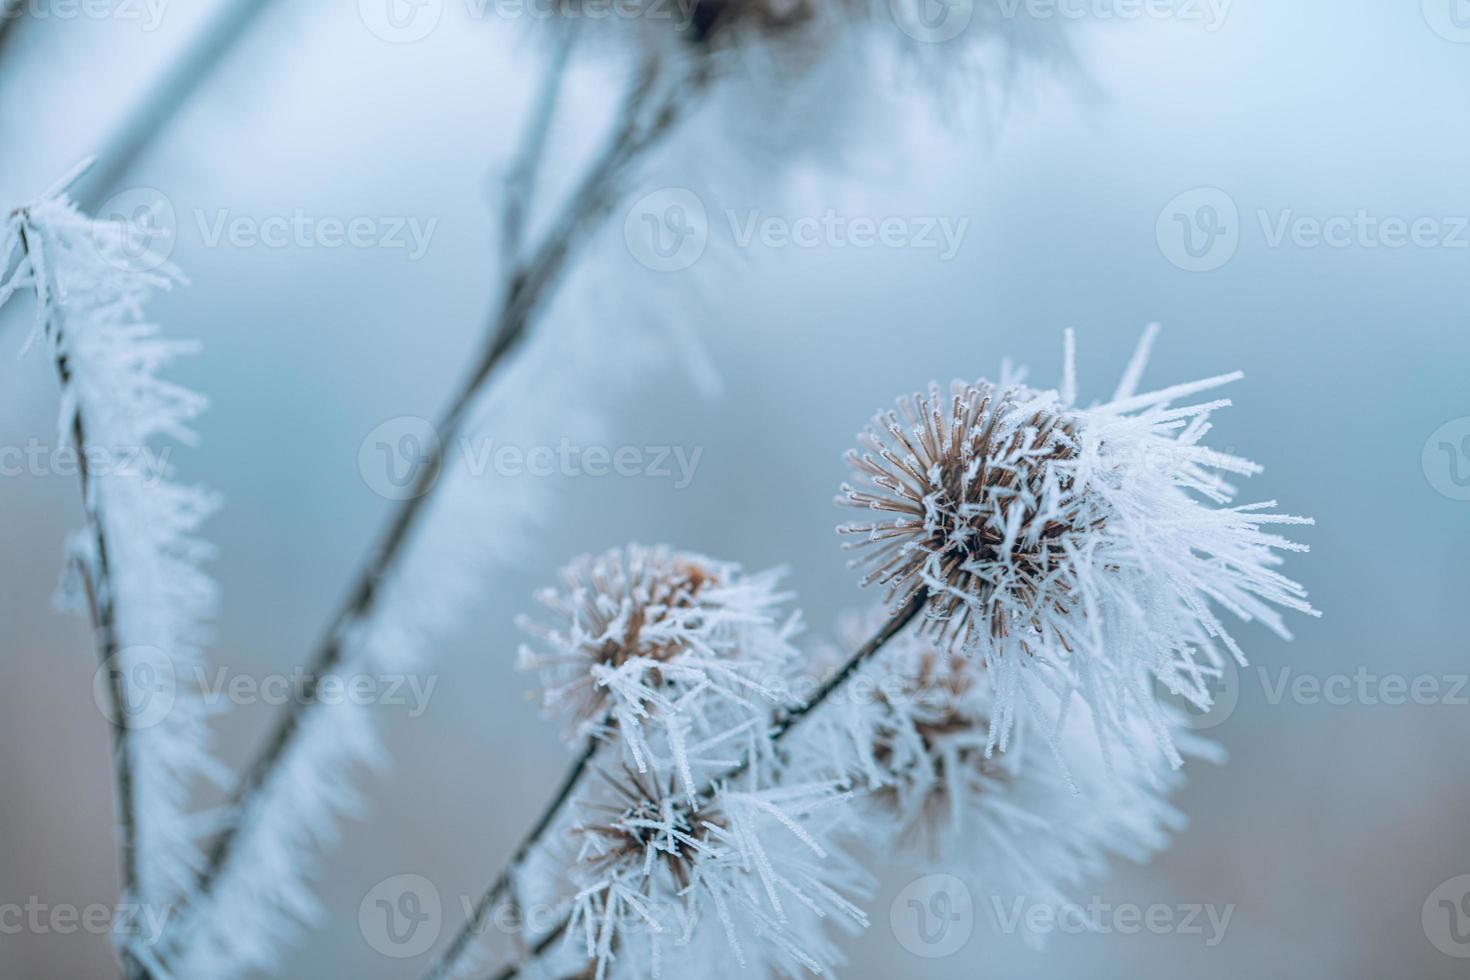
(1068, 549)
(672, 651)
(1047, 569)
(136, 563)
(1045, 565)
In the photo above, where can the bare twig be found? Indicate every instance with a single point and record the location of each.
(783, 727)
(519, 184)
(96, 578)
(635, 133)
(167, 96)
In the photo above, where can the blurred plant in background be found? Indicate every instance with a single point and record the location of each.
(1046, 564)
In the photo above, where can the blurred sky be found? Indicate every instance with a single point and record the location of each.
(1330, 825)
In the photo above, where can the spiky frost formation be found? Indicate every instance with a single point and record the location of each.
(741, 882)
(137, 564)
(913, 739)
(662, 650)
(1070, 549)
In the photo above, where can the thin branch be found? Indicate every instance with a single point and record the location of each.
(635, 134)
(96, 577)
(166, 98)
(451, 957)
(519, 185)
(894, 625)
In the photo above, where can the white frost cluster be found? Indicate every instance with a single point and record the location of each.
(1087, 551)
(745, 883)
(139, 555)
(911, 738)
(670, 653)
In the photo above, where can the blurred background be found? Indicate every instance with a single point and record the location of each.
(1282, 186)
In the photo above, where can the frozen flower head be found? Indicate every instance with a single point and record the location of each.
(734, 883)
(1076, 549)
(935, 794)
(666, 650)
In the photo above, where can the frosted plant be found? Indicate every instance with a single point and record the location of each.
(737, 883)
(646, 637)
(913, 741)
(136, 564)
(1070, 549)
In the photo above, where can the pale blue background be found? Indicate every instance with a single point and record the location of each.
(1330, 825)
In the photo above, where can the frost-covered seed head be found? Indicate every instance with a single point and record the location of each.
(971, 506)
(672, 653)
(1083, 552)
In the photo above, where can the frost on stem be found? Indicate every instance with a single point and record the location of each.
(740, 882)
(136, 566)
(664, 651)
(1070, 549)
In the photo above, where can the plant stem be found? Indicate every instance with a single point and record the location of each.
(483, 907)
(166, 98)
(894, 625)
(96, 576)
(528, 290)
